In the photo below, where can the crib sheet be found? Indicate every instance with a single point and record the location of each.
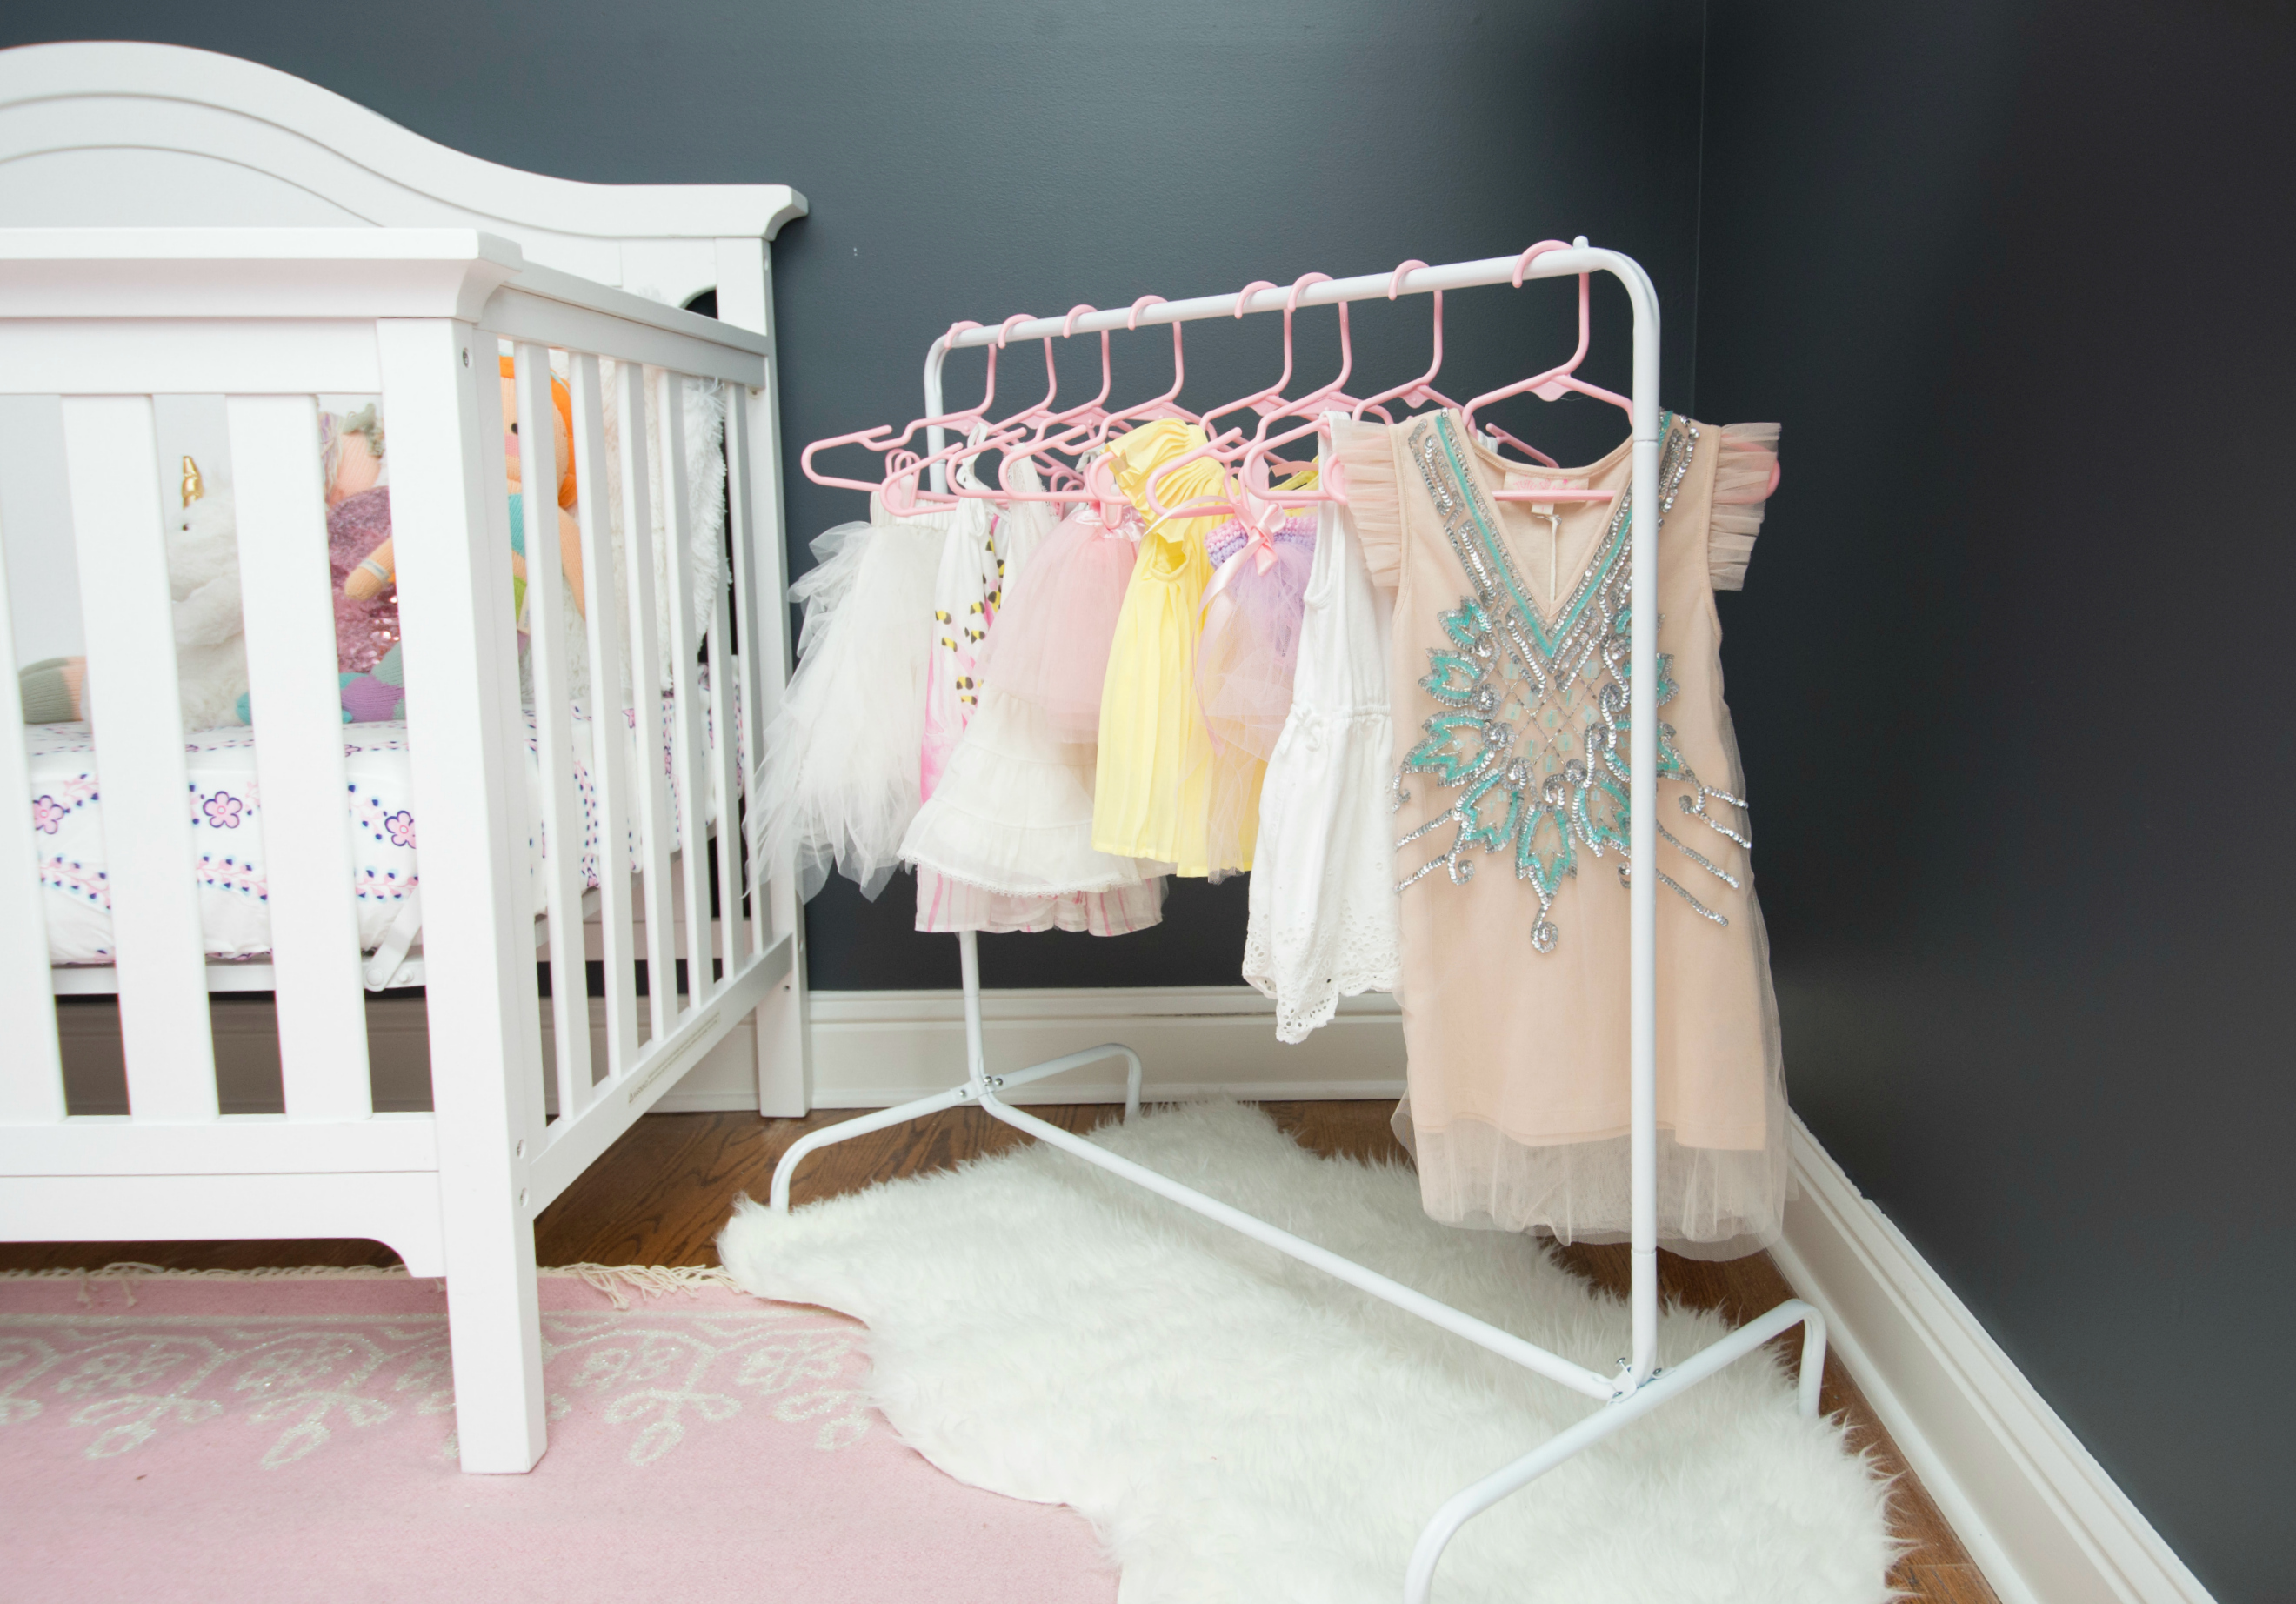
(226, 818)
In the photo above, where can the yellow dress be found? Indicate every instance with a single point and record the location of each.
(1152, 786)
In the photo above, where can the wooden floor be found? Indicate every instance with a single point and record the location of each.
(660, 1195)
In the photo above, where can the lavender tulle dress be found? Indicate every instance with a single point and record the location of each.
(1246, 658)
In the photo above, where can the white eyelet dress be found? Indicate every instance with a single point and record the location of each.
(1323, 899)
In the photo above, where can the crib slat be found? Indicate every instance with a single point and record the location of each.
(748, 681)
(609, 752)
(645, 687)
(298, 755)
(31, 1071)
(692, 752)
(562, 809)
(761, 577)
(111, 462)
(724, 780)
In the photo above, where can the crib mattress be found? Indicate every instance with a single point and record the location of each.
(225, 822)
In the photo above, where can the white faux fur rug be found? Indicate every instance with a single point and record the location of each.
(1239, 1427)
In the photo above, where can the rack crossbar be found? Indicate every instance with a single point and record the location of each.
(1481, 1333)
(1370, 286)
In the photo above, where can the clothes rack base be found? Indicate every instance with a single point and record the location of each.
(1640, 1385)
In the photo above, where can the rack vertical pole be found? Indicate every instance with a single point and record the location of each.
(1642, 711)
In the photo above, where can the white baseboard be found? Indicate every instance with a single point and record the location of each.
(874, 1049)
(2038, 1514)
(871, 1050)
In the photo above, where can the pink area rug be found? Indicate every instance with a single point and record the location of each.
(294, 1439)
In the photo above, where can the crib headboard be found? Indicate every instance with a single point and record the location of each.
(154, 135)
(141, 136)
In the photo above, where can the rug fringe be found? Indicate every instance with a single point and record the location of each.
(651, 1281)
(614, 1280)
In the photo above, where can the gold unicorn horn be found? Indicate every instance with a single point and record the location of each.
(193, 489)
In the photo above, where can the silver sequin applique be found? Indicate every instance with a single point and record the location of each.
(1528, 746)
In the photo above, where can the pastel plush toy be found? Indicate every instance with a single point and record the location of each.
(377, 571)
(203, 555)
(377, 696)
(358, 520)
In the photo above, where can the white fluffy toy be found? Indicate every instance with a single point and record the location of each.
(210, 641)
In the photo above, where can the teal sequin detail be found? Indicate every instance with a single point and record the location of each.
(1532, 732)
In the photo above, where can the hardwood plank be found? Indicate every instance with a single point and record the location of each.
(660, 1195)
(267, 1253)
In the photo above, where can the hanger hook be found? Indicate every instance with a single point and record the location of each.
(1140, 305)
(1532, 255)
(1292, 301)
(1075, 312)
(1005, 331)
(1243, 296)
(962, 325)
(1395, 282)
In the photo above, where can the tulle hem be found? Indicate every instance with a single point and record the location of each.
(1013, 813)
(1712, 1203)
(946, 905)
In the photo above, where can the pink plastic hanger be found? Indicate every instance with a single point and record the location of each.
(875, 439)
(1040, 444)
(1261, 402)
(1422, 390)
(1309, 405)
(1092, 433)
(1255, 469)
(1552, 385)
(1259, 504)
(902, 486)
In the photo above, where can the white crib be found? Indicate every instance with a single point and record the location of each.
(207, 227)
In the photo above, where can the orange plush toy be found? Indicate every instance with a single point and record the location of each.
(379, 571)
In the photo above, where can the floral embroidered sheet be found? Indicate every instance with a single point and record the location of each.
(225, 817)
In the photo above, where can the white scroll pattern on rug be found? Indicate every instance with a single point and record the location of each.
(124, 1381)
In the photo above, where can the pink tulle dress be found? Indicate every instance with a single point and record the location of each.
(1055, 652)
(1246, 657)
(1004, 841)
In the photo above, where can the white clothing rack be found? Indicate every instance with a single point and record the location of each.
(1639, 1385)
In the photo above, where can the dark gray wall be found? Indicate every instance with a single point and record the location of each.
(977, 159)
(2011, 676)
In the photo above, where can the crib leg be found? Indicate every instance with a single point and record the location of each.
(496, 1329)
(784, 1031)
(785, 1046)
(452, 538)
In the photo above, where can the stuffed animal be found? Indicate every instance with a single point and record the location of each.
(378, 570)
(358, 520)
(211, 642)
(377, 696)
(203, 555)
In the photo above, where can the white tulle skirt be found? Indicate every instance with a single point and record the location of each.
(1013, 812)
(1004, 842)
(837, 785)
